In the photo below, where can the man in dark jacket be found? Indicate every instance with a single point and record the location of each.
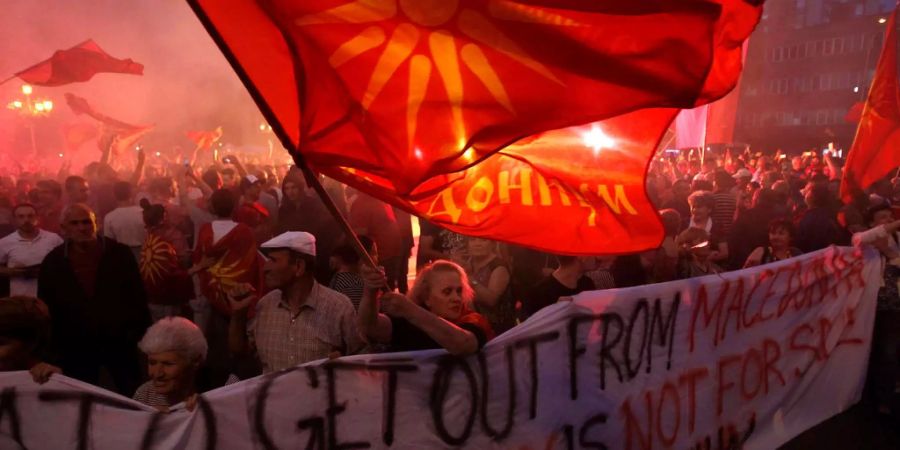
(97, 303)
(818, 227)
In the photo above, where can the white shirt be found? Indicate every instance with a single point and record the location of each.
(707, 226)
(125, 224)
(16, 251)
(222, 227)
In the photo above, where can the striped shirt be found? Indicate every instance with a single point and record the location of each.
(349, 284)
(326, 323)
(723, 212)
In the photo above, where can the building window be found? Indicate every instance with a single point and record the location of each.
(779, 54)
(828, 47)
(811, 49)
(838, 115)
(807, 118)
(822, 117)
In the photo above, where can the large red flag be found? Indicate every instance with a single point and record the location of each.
(79, 63)
(402, 99)
(876, 147)
(854, 114)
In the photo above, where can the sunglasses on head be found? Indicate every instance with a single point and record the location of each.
(81, 222)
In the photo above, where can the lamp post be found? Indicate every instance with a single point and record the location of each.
(31, 108)
(266, 129)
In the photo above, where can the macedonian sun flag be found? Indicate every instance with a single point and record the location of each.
(876, 148)
(461, 111)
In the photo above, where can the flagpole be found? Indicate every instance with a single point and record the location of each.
(317, 186)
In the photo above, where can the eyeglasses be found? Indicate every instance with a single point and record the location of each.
(81, 222)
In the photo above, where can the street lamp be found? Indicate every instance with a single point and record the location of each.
(266, 129)
(31, 108)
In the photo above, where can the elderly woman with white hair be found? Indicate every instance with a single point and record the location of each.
(175, 349)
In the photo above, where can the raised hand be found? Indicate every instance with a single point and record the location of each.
(395, 305)
(240, 296)
(373, 278)
(41, 372)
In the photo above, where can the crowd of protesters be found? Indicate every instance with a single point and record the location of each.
(162, 282)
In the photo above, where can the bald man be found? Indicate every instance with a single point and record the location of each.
(97, 302)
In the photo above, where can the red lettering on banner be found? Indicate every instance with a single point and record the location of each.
(670, 389)
(755, 378)
(692, 376)
(758, 373)
(812, 338)
(821, 275)
(769, 362)
(735, 306)
(794, 288)
(643, 430)
(632, 423)
(723, 384)
(796, 273)
(708, 315)
(804, 329)
(855, 274)
(769, 294)
(766, 275)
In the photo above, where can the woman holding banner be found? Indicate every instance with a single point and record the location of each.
(781, 240)
(176, 351)
(436, 314)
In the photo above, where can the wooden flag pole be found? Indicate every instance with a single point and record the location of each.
(317, 186)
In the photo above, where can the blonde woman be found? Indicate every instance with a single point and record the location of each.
(436, 314)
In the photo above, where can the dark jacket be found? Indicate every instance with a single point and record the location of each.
(818, 229)
(750, 230)
(117, 313)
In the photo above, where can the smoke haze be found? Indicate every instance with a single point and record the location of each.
(187, 83)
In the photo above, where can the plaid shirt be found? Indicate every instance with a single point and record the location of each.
(326, 323)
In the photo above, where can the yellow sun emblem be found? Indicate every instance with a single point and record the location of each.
(429, 20)
(156, 259)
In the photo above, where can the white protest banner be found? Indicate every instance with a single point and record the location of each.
(748, 359)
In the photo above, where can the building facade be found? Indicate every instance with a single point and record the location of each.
(807, 64)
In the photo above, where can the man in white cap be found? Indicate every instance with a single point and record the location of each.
(299, 320)
(742, 178)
